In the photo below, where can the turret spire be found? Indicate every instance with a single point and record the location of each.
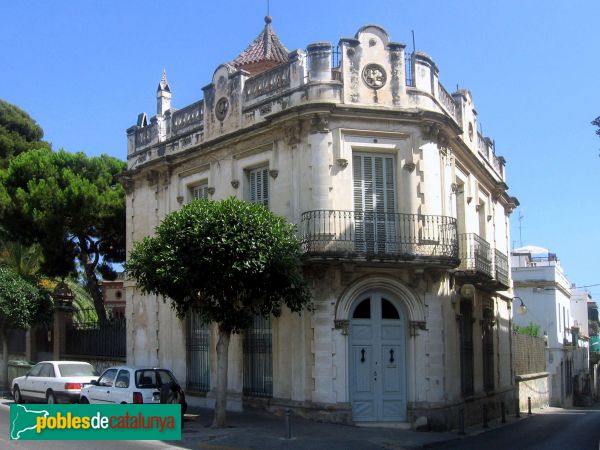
(164, 84)
(265, 52)
(163, 95)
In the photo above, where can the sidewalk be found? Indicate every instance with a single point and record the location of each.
(255, 430)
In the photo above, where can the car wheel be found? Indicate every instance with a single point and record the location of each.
(17, 395)
(84, 401)
(50, 398)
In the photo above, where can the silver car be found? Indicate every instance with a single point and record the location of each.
(53, 382)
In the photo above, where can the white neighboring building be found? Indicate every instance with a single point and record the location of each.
(539, 280)
(579, 309)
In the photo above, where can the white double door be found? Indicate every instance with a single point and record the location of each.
(377, 362)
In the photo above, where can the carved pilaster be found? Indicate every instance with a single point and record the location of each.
(319, 124)
(128, 185)
(292, 134)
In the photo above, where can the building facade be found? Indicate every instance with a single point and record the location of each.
(402, 209)
(539, 280)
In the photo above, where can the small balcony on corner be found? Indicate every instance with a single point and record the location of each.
(379, 236)
(481, 265)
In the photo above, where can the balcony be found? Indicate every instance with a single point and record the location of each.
(501, 270)
(475, 257)
(379, 236)
(480, 265)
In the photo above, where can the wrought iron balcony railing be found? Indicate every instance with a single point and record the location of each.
(501, 268)
(379, 235)
(475, 254)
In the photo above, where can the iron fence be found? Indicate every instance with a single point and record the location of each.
(91, 339)
(198, 353)
(409, 69)
(475, 254)
(16, 341)
(258, 359)
(373, 234)
(335, 57)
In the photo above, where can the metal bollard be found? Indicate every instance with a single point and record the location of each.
(517, 409)
(288, 424)
(461, 421)
(529, 405)
(485, 416)
(503, 412)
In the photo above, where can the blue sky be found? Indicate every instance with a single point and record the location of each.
(84, 70)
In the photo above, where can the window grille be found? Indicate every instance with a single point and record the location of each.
(488, 349)
(258, 359)
(466, 347)
(197, 351)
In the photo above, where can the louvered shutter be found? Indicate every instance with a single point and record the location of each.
(374, 202)
(259, 186)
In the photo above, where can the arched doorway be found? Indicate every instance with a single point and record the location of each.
(377, 359)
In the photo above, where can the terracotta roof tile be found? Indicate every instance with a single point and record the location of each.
(265, 48)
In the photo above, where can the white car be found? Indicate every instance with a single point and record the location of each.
(132, 385)
(53, 382)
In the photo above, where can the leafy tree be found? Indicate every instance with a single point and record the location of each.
(72, 206)
(18, 132)
(22, 304)
(230, 261)
(533, 329)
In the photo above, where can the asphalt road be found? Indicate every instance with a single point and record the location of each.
(551, 429)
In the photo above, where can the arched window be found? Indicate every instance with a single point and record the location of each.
(388, 310)
(363, 310)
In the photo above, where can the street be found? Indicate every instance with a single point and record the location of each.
(548, 429)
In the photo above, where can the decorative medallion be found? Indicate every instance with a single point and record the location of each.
(374, 76)
(222, 108)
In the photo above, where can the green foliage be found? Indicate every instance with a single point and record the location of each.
(229, 259)
(83, 303)
(532, 329)
(18, 132)
(73, 206)
(22, 303)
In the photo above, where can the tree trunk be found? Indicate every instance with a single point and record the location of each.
(91, 282)
(5, 336)
(222, 365)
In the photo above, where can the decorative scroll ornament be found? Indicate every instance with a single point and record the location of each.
(222, 108)
(374, 76)
(342, 325)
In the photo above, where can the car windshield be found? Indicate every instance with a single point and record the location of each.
(153, 378)
(77, 370)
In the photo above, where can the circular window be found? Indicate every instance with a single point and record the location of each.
(374, 76)
(222, 108)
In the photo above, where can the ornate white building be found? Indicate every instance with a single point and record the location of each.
(402, 208)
